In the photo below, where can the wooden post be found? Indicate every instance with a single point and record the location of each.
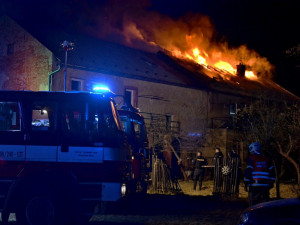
(179, 160)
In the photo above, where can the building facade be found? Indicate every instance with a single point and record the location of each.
(175, 98)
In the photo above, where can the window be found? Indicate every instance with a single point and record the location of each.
(131, 96)
(10, 116)
(232, 109)
(76, 85)
(43, 116)
(10, 49)
(88, 120)
(137, 129)
(124, 123)
(73, 117)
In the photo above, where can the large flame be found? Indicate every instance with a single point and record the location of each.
(202, 58)
(192, 37)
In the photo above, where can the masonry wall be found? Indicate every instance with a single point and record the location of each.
(24, 62)
(193, 109)
(189, 106)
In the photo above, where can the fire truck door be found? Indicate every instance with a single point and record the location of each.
(41, 143)
(12, 145)
(80, 126)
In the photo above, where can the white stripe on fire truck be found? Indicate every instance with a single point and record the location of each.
(81, 154)
(114, 154)
(12, 152)
(41, 153)
(53, 153)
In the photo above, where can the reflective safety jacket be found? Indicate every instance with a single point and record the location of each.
(260, 172)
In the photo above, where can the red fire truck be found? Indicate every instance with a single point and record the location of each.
(61, 154)
(134, 127)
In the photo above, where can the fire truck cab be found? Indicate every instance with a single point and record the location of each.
(134, 127)
(61, 155)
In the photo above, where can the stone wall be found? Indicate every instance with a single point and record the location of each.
(24, 62)
(189, 106)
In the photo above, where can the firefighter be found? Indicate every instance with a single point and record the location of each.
(234, 161)
(259, 175)
(218, 157)
(198, 163)
(218, 161)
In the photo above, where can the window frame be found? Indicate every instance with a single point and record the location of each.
(55, 122)
(134, 95)
(77, 80)
(17, 119)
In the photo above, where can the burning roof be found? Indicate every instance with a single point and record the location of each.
(189, 45)
(179, 63)
(191, 36)
(109, 58)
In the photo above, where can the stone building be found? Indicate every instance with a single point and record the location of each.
(24, 61)
(176, 96)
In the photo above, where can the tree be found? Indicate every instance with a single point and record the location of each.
(287, 137)
(277, 127)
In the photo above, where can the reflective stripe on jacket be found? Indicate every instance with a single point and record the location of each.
(259, 172)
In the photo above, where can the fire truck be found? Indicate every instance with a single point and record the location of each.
(62, 154)
(134, 127)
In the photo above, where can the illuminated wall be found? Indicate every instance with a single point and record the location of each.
(24, 61)
(193, 109)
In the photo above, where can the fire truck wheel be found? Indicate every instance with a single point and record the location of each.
(41, 208)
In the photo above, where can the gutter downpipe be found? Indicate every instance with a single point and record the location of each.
(50, 75)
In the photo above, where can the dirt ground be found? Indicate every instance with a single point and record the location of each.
(286, 190)
(190, 208)
(174, 209)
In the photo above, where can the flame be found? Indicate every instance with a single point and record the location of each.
(191, 37)
(225, 66)
(198, 58)
(250, 75)
(201, 57)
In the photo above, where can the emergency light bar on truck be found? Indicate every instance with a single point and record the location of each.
(64, 151)
(101, 89)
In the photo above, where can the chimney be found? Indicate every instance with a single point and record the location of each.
(240, 70)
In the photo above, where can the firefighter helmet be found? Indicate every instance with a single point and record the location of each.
(255, 148)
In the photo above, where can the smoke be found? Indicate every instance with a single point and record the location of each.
(137, 25)
(134, 21)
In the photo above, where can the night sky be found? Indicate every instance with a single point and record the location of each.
(270, 27)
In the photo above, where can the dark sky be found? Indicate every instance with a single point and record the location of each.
(270, 27)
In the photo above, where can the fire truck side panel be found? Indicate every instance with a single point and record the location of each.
(65, 141)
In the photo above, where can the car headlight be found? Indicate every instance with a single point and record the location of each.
(244, 218)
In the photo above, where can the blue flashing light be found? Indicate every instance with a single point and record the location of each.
(101, 89)
(194, 134)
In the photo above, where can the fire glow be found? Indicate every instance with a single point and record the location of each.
(190, 37)
(193, 39)
(200, 57)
